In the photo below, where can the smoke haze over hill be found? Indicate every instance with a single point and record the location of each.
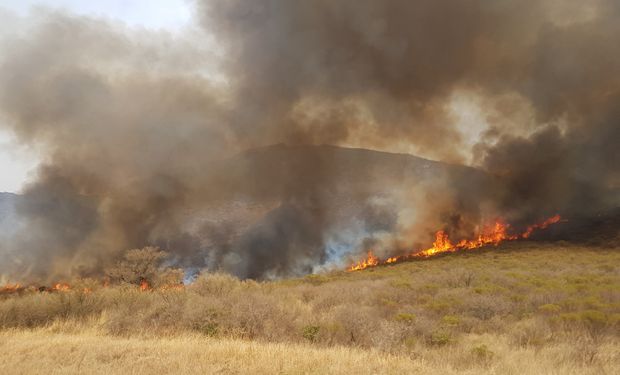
(145, 134)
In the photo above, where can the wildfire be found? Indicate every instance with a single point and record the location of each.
(144, 285)
(61, 287)
(11, 288)
(491, 235)
(65, 287)
(543, 225)
(370, 261)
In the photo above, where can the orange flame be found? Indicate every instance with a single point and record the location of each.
(492, 235)
(552, 220)
(371, 261)
(144, 285)
(11, 288)
(61, 287)
(65, 287)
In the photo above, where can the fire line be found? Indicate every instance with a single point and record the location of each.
(493, 235)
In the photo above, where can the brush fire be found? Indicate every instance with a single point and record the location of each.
(490, 235)
(144, 286)
(289, 156)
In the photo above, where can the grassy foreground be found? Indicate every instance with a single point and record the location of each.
(519, 309)
(45, 352)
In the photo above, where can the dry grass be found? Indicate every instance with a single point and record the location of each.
(52, 351)
(43, 352)
(521, 309)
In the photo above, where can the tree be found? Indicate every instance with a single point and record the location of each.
(140, 266)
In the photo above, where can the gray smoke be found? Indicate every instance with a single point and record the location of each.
(144, 133)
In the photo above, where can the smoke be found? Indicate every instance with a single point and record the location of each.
(145, 134)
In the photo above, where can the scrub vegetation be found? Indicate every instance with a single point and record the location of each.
(521, 308)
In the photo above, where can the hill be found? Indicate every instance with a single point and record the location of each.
(283, 211)
(286, 211)
(276, 211)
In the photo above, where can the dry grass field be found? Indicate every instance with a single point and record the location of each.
(46, 352)
(522, 308)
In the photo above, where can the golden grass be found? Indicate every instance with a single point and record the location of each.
(51, 351)
(44, 352)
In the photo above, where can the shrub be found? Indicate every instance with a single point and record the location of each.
(451, 320)
(209, 329)
(310, 332)
(482, 353)
(405, 318)
(215, 284)
(549, 308)
(440, 338)
(532, 332)
(595, 322)
(146, 264)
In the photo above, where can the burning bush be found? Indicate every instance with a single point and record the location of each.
(144, 267)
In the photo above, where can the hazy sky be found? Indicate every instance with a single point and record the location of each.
(16, 163)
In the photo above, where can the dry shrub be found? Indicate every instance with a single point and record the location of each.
(531, 332)
(203, 315)
(146, 264)
(358, 325)
(256, 315)
(39, 309)
(215, 284)
(485, 307)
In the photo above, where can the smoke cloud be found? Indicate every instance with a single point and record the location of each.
(207, 142)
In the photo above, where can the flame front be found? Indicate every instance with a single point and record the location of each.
(552, 220)
(370, 261)
(144, 285)
(11, 288)
(491, 235)
(65, 287)
(61, 287)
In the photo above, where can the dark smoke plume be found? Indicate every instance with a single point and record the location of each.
(150, 138)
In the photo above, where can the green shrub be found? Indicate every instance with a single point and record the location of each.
(440, 338)
(549, 308)
(405, 318)
(482, 353)
(209, 329)
(451, 320)
(595, 322)
(310, 332)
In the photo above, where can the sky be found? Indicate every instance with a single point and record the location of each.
(18, 163)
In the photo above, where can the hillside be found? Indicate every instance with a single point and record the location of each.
(268, 171)
(276, 211)
(522, 308)
(287, 211)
